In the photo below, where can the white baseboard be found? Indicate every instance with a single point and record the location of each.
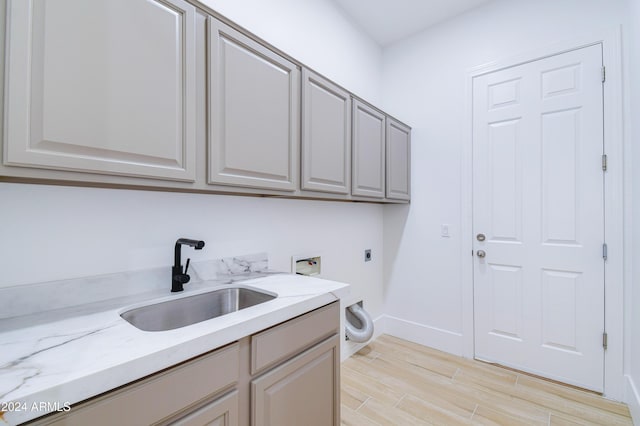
(432, 337)
(425, 335)
(349, 348)
(632, 398)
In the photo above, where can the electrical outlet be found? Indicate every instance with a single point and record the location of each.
(367, 255)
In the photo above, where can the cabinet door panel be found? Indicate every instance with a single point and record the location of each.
(304, 391)
(92, 89)
(255, 107)
(398, 160)
(221, 412)
(326, 135)
(368, 151)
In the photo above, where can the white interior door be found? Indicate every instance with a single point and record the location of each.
(538, 200)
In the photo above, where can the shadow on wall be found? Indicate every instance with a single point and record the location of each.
(395, 220)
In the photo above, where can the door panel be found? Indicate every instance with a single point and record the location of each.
(506, 300)
(538, 197)
(506, 181)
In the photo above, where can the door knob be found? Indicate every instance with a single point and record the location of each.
(480, 237)
(481, 253)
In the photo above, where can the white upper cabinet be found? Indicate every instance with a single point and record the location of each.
(398, 160)
(102, 86)
(368, 151)
(326, 135)
(254, 112)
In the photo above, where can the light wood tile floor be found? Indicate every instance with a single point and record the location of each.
(395, 382)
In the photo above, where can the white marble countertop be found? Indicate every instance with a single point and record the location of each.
(66, 356)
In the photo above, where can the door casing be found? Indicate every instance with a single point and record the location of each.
(614, 197)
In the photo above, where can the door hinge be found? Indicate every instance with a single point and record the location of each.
(605, 339)
(604, 74)
(604, 162)
(604, 251)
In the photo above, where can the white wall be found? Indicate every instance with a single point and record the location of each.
(424, 82)
(318, 34)
(49, 233)
(632, 290)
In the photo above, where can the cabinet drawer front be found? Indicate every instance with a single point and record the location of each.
(89, 91)
(283, 341)
(305, 390)
(159, 396)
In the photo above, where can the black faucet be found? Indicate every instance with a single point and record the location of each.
(178, 278)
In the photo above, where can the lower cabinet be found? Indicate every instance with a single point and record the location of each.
(286, 375)
(303, 391)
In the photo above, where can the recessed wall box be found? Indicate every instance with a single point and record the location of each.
(307, 266)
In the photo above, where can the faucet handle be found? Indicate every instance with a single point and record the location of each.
(181, 279)
(186, 268)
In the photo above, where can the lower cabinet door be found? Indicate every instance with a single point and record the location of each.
(303, 391)
(220, 412)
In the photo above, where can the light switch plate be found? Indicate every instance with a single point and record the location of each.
(444, 230)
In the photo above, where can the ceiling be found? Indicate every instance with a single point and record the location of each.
(387, 21)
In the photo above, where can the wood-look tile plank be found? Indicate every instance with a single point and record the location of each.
(428, 386)
(350, 418)
(561, 421)
(366, 385)
(351, 397)
(565, 407)
(408, 356)
(407, 384)
(388, 416)
(494, 416)
(432, 412)
(573, 394)
(454, 398)
(369, 352)
(519, 395)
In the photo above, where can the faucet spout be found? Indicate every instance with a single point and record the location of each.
(196, 244)
(178, 277)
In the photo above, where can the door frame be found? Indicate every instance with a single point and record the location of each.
(614, 190)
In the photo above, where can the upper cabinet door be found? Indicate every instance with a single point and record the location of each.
(368, 151)
(326, 135)
(102, 86)
(398, 160)
(254, 113)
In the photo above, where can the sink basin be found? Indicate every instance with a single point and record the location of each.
(193, 309)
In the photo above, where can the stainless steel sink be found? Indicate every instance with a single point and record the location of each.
(193, 309)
